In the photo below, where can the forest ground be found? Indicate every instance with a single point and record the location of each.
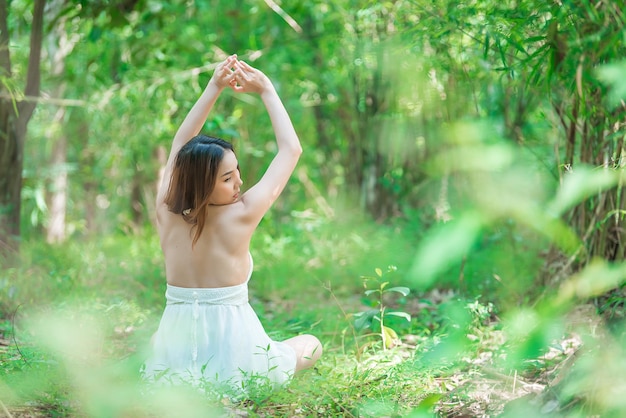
(76, 320)
(405, 380)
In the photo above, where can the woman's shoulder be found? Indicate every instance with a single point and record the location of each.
(235, 213)
(166, 217)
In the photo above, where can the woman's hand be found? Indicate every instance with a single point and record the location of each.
(224, 73)
(247, 79)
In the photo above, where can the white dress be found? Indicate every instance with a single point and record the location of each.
(213, 339)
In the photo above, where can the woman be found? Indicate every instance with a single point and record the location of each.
(209, 333)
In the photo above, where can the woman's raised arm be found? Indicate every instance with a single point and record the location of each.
(263, 194)
(193, 122)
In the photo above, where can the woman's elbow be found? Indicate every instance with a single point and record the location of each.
(295, 150)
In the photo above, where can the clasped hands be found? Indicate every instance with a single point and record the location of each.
(240, 76)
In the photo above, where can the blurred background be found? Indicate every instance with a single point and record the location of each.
(453, 233)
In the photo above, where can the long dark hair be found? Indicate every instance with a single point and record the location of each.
(193, 179)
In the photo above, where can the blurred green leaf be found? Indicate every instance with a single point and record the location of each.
(400, 314)
(556, 230)
(364, 319)
(404, 291)
(530, 332)
(445, 245)
(426, 407)
(612, 75)
(472, 158)
(596, 278)
(580, 184)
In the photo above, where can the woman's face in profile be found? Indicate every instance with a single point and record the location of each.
(228, 182)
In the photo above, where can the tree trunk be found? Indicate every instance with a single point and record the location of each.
(90, 193)
(14, 117)
(136, 195)
(60, 47)
(10, 183)
(57, 199)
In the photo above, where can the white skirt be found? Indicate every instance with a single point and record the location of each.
(212, 338)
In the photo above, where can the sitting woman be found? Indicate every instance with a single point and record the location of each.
(209, 333)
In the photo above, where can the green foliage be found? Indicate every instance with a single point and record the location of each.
(113, 267)
(611, 75)
(486, 140)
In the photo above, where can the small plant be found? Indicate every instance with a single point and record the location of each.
(481, 313)
(376, 292)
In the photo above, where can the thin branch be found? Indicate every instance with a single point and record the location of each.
(46, 100)
(280, 12)
(346, 412)
(17, 347)
(5, 410)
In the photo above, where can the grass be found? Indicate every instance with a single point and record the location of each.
(77, 318)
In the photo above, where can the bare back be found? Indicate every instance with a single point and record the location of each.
(219, 258)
